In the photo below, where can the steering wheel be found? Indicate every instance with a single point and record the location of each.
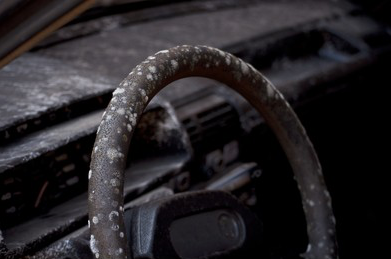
(106, 177)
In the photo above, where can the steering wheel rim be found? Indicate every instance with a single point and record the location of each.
(106, 177)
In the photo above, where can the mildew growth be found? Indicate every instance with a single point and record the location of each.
(244, 67)
(174, 64)
(121, 111)
(130, 99)
(113, 214)
(115, 227)
(311, 203)
(162, 52)
(118, 91)
(113, 154)
(95, 220)
(94, 246)
(228, 60)
(114, 182)
(119, 251)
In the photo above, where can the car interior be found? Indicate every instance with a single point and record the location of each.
(202, 128)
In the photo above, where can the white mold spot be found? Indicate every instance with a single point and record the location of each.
(227, 60)
(95, 220)
(150, 77)
(152, 69)
(89, 223)
(269, 91)
(121, 234)
(118, 91)
(115, 227)
(89, 174)
(119, 251)
(139, 73)
(162, 52)
(94, 246)
(113, 154)
(129, 127)
(113, 214)
(125, 83)
(311, 203)
(174, 64)
(221, 52)
(244, 67)
(133, 118)
(121, 111)
(114, 182)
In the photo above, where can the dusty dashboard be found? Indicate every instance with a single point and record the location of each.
(197, 134)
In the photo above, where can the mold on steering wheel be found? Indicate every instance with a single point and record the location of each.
(106, 177)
